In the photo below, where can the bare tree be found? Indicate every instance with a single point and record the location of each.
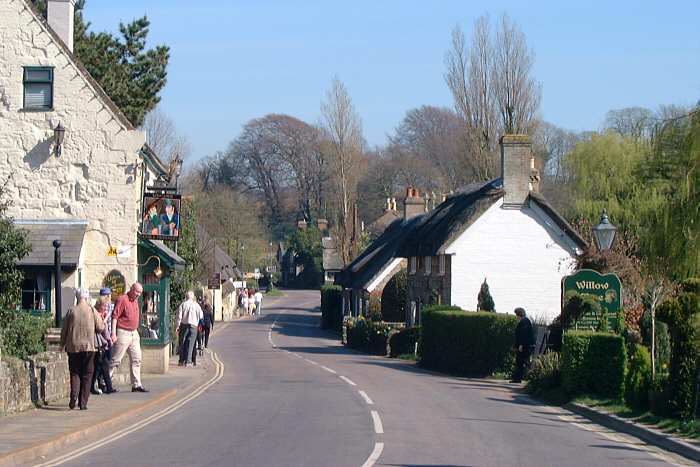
(344, 132)
(162, 136)
(633, 122)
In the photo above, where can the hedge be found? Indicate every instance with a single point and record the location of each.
(593, 363)
(404, 341)
(367, 336)
(467, 343)
(332, 307)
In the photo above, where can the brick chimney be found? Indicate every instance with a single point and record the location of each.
(413, 204)
(322, 226)
(516, 152)
(59, 15)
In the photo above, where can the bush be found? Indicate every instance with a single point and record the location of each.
(467, 343)
(404, 341)
(638, 379)
(593, 363)
(367, 336)
(393, 303)
(484, 299)
(544, 374)
(663, 341)
(24, 334)
(681, 316)
(332, 307)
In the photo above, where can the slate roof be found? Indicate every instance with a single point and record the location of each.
(457, 213)
(172, 259)
(42, 233)
(331, 257)
(366, 267)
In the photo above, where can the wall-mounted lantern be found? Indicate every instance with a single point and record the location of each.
(58, 134)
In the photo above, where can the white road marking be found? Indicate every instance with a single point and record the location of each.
(378, 428)
(347, 380)
(366, 397)
(310, 361)
(374, 457)
(145, 422)
(329, 370)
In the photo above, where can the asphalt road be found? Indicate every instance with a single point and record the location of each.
(292, 396)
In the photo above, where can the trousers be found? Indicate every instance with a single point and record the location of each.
(81, 366)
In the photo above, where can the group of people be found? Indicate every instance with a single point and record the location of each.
(96, 339)
(195, 321)
(251, 301)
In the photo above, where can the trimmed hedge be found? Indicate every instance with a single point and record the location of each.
(593, 363)
(467, 343)
(332, 307)
(404, 341)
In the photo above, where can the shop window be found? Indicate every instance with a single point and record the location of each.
(150, 325)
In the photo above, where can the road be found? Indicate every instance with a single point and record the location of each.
(290, 395)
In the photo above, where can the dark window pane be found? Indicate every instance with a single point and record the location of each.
(37, 96)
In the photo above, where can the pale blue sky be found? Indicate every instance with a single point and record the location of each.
(232, 61)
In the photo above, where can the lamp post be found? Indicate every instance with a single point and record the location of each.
(57, 277)
(604, 233)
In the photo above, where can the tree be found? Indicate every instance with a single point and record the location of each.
(633, 122)
(130, 75)
(484, 300)
(308, 254)
(162, 136)
(343, 129)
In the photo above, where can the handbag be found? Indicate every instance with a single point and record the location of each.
(100, 341)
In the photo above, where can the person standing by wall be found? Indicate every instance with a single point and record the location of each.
(125, 335)
(524, 341)
(78, 340)
(188, 315)
(208, 323)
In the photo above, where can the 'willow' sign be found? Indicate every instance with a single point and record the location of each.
(605, 288)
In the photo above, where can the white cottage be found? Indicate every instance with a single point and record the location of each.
(86, 190)
(503, 231)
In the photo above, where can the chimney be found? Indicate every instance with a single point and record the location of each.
(413, 205)
(59, 15)
(516, 152)
(534, 176)
(322, 226)
(393, 204)
(301, 224)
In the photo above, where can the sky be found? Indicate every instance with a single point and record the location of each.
(232, 61)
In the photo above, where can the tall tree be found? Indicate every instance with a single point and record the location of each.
(130, 74)
(162, 136)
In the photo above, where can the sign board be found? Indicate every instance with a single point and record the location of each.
(119, 251)
(115, 280)
(606, 289)
(112, 251)
(161, 216)
(214, 281)
(239, 284)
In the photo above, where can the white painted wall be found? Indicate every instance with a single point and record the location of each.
(522, 254)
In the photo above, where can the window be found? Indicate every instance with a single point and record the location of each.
(421, 262)
(441, 265)
(428, 265)
(412, 265)
(38, 88)
(36, 291)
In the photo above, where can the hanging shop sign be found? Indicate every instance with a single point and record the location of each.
(161, 216)
(115, 280)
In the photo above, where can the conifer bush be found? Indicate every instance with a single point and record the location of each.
(484, 299)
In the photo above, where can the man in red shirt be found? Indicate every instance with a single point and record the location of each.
(125, 334)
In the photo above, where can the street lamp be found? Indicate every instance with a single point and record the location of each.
(604, 233)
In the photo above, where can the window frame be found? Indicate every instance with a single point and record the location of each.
(428, 262)
(26, 81)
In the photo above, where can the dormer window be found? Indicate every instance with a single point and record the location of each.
(38, 88)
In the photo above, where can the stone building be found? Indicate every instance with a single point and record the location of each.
(75, 169)
(502, 230)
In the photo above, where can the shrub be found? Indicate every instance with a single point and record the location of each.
(680, 314)
(544, 374)
(375, 308)
(594, 363)
(467, 343)
(638, 379)
(663, 341)
(367, 336)
(24, 334)
(332, 307)
(393, 303)
(404, 341)
(484, 299)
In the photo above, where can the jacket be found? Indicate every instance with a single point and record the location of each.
(79, 326)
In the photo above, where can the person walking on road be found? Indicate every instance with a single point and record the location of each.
(189, 313)
(208, 323)
(524, 341)
(125, 335)
(258, 296)
(78, 340)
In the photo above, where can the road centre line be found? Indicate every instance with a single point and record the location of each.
(374, 457)
(378, 428)
(347, 380)
(145, 422)
(366, 397)
(311, 361)
(329, 370)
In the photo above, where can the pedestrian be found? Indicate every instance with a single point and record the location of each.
(524, 342)
(188, 315)
(208, 322)
(101, 382)
(125, 335)
(244, 301)
(78, 340)
(258, 296)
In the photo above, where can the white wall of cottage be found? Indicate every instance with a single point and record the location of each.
(522, 254)
(98, 176)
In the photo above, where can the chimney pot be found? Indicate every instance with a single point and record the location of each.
(516, 155)
(60, 16)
